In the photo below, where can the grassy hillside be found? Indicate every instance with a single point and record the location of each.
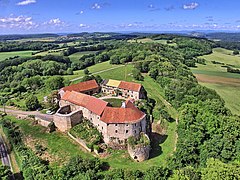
(230, 94)
(75, 57)
(4, 55)
(216, 77)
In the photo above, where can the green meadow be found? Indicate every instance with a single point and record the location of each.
(216, 77)
(4, 55)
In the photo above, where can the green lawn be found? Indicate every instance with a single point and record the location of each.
(93, 69)
(122, 73)
(4, 55)
(229, 92)
(114, 102)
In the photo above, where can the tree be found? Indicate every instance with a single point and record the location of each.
(186, 173)
(87, 78)
(98, 79)
(137, 75)
(157, 173)
(86, 71)
(52, 101)
(32, 103)
(218, 170)
(235, 52)
(5, 172)
(55, 82)
(33, 83)
(70, 71)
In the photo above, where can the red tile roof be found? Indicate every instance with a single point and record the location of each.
(130, 114)
(130, 86)
(82, 86)
(91, 103)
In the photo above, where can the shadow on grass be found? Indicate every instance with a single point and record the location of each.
(156, 141)
(18, 176)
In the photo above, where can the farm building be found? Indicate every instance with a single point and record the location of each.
(122, 88)
(88, 87)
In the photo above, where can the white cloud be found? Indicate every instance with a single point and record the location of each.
(152, 7)
(55, 22)
(84, 26)
(96, 6)
(26, 2)
(81, 12)
(21, 22)
(190, 6)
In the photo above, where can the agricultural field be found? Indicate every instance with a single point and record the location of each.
(4, 55)
(51, 52)
(230, 94)
(216, 77)
(149, 40)
(75, 57)
(45, 39)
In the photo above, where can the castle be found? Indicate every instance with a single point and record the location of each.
(116, 124)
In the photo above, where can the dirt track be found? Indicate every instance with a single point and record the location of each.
(217, 79)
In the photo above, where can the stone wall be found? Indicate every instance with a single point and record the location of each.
(65, 122)
(139, 152)
(119, 133)
(42, 122)
(79, 141)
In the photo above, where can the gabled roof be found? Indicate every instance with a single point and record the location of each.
(130, 86)
(82, 86)
(129, 114)
(113, 83)
(91, 103)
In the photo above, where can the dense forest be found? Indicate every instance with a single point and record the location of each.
(208, 145)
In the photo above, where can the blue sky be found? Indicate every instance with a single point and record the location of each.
(46, 16)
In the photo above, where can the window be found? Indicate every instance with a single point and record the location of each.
(115, 124)
(116, 131)
(126, 124)
(102, 128)
(135, 131)
(98, 125)
(126, 131)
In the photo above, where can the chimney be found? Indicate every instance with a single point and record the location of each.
(123, 105)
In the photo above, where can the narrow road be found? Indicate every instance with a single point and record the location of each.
(27, 113)
(98, 72)
(4, 154)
